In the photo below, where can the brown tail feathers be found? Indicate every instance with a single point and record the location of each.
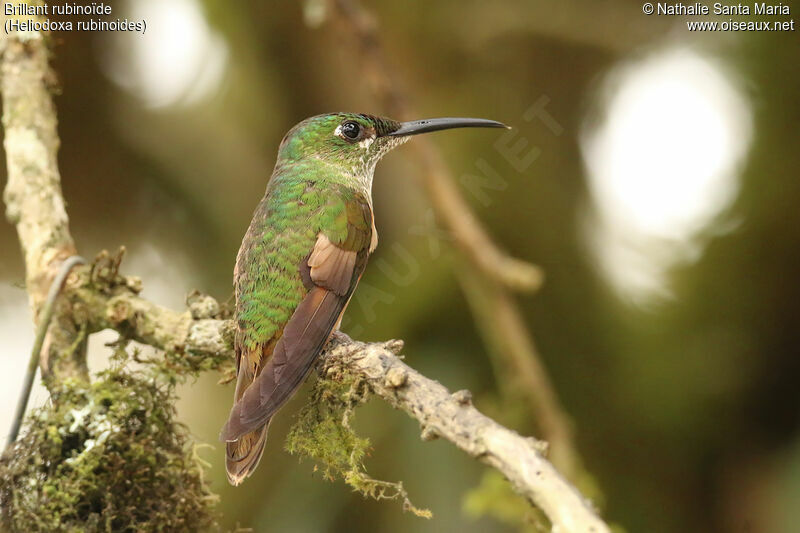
(243, 455)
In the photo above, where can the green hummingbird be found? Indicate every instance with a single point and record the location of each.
(301, 259)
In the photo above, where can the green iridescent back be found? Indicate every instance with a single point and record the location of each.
(299, 204)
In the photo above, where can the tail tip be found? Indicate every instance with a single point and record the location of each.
(238, 471)
(236, 478)
(244, 454)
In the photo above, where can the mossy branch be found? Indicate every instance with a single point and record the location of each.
(110, 301)
(452, 417)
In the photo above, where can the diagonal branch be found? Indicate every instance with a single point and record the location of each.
(452, 417)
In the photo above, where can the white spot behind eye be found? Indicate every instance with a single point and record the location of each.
(363, 144)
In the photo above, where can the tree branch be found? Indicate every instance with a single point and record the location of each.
(33, 193)
(114, 304)
(441, 414)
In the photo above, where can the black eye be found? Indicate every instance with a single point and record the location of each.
(351, 129)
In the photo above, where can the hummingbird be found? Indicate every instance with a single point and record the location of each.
(300, 261)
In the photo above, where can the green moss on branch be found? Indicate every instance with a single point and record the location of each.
(105, 457)
(323, 432)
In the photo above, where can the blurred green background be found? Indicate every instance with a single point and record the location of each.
(658, 192)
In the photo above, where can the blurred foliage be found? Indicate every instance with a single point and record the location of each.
(495, 497)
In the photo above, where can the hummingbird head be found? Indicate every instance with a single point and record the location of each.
(355, 142)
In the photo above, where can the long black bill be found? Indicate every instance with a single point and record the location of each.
(435, 124)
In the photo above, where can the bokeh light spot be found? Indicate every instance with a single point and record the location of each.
(662, 164)
(180, 59)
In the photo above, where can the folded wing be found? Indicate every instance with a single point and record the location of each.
(330, 274)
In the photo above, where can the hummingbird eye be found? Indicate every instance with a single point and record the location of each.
(351, 130)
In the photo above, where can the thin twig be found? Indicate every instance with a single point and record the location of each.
(41, 332)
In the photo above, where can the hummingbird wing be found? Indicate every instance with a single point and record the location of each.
(330, 273)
